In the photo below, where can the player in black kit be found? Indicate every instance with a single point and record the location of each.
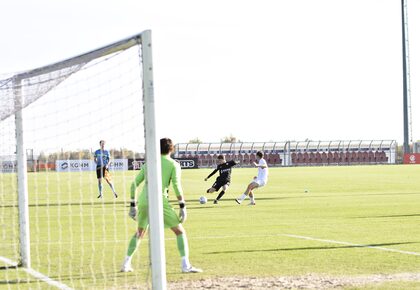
(223, 180)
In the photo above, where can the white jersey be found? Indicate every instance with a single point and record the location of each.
(262, 172)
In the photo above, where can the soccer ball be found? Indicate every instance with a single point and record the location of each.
(203, 199)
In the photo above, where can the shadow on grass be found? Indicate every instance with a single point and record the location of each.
(388, 216)
(309, 248)
(15, 282)
(8, 267)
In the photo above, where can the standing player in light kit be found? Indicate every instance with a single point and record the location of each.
(258, 181)
(223, 180)
(101, 158)
(171, 172)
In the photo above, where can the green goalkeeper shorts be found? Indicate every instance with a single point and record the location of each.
(170, 218)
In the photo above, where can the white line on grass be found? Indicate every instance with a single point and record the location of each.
(8, 262)
(37, 275)
(351, 244)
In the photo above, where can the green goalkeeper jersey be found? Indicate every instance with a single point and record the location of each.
(171, 172)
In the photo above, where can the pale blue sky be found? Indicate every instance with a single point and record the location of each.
(260, 70)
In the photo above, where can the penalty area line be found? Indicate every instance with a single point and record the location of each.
(36, 274)
(351, 244)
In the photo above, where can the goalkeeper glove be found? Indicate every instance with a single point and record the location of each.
(182, 211)
(133, 210)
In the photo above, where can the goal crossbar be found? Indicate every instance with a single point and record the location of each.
(85, 57)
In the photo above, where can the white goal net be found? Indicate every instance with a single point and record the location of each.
(51, 121)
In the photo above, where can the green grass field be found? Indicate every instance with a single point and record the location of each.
(344, 225)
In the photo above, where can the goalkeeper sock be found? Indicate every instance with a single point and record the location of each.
(185, 262)
(182, 243)
(220, 195)
(127, 260)
(132, 246)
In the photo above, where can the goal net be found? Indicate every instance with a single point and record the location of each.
(55, 230)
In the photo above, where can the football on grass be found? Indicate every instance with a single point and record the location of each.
(203, 199)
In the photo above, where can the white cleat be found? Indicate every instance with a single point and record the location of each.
(126, 268)
(252, 203)
(191, 269)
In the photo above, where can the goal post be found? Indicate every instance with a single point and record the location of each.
(157, 252)
(22, 178)
(59, 112)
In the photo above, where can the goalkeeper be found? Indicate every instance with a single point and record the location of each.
(171, 171)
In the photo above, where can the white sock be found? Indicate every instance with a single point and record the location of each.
(185, 262)
(127, 260)
(242, 197)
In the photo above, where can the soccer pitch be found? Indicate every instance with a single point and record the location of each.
(320, 221)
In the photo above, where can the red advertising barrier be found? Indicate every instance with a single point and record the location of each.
(412, 158)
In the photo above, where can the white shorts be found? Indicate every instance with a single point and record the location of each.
(260, 182)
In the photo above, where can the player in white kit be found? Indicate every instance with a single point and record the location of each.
(258, 181)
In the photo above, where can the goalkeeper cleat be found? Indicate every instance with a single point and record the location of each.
(126, 268)
(191, 269)
(238, 201)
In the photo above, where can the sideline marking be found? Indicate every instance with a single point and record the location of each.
(351, 244)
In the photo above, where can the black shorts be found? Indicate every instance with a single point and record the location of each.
(100, 172)
(219, 183)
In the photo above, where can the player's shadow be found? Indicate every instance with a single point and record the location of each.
(388, 216)
(201, 207)
(17, 282)
(8, 267)
(309, 248)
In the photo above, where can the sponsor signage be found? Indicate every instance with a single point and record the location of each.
(74, 165)
(188, 163)
(7, 166)
(118, 164)
(135, 164)
(88, 165)
(412, 158)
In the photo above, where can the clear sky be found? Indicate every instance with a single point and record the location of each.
(259, 70)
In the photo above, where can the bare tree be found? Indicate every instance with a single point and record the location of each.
(195, 141)
(230, 139)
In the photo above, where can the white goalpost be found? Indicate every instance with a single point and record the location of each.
(157, 242)
(51, 120)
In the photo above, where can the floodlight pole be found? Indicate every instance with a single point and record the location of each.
(22, 177)
(405, 78)
(154, 179)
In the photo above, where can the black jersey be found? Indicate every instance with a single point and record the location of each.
(225, 170)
